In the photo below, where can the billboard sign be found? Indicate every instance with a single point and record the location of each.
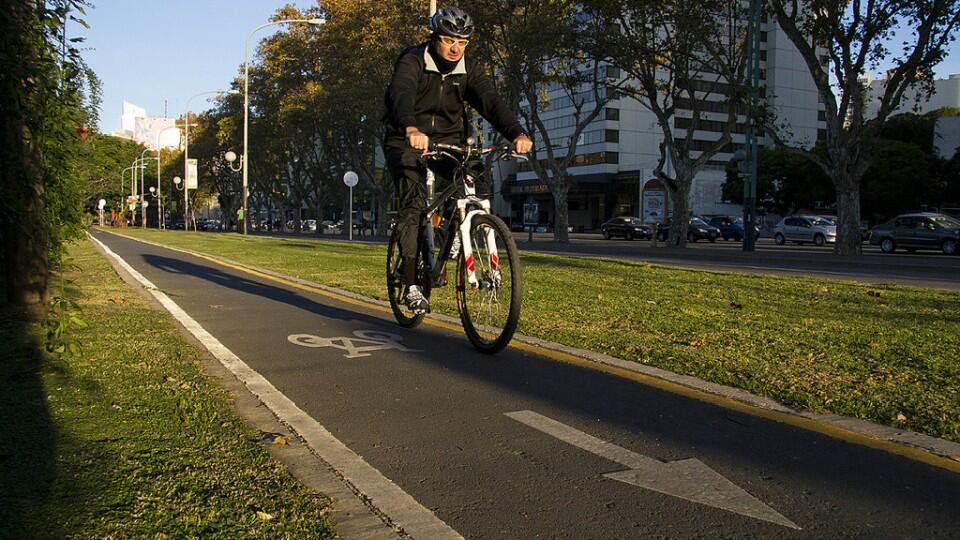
(653, 206)
(191, 174)
(149, 128)
(531, 214)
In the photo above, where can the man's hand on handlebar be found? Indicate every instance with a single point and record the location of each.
(417, 139)
(522, 144)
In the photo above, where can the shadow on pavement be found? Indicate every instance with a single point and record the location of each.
(243, 284)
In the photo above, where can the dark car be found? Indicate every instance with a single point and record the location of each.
(698, 229)
(923, 230)
(625, 226)
(731, 227)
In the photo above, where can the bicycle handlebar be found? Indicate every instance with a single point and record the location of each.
(441, 148)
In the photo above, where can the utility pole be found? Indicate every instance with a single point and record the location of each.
(750, 178)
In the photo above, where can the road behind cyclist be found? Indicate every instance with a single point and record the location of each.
(425, 103)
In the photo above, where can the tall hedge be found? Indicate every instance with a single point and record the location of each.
(47, 99)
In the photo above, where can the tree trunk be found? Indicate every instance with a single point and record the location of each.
(848, 217)
(25, 244)
(317, 205)
(382, 220)
(680, 219)
(561, 214)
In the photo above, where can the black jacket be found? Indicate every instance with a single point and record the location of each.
(419, 95)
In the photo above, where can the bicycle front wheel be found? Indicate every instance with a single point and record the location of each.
(395, 287)
(489, 307)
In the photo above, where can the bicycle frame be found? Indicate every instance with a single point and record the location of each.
(467, 207)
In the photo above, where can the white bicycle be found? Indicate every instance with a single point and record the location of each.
(458, 226)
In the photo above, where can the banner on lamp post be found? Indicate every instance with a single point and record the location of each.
(191, 174)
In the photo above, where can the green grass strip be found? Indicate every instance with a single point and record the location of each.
(130, 439)
(885, 353)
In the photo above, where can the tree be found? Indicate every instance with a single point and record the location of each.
(354, 79)
(900, 179)
(857, 37)
(681, 55)
(534, 47)
(48, 101)
(786, 183)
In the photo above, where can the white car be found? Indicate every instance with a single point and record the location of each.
(310, 225)
(802, 229)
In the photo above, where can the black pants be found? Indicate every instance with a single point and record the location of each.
(410, 181)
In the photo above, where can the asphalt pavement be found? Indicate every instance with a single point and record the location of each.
(522, 446)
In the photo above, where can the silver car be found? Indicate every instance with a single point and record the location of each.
(802, 229)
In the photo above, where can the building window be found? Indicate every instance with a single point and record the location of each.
(763, 56)
(613, 72)
(612, 136)
(822, 116)
(613, 114)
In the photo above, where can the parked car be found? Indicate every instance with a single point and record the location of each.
(731, 227)
(923, 230)
(211, 225)
(801, 229)
(697, 229)
(177, 224)
(309, 225)
(625, 226)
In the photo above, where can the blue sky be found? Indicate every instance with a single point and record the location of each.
(151, 51)
(157, 53)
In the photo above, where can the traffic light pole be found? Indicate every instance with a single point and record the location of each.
(750, 180)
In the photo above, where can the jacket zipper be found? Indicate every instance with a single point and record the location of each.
(433, 117)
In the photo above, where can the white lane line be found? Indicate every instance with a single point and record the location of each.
(405, 512)
(688, 479)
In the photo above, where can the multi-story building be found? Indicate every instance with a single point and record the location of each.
(617, 153)
(946, 93)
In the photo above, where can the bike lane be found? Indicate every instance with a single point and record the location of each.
(521, 446)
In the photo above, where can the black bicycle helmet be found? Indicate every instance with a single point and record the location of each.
(451, 21)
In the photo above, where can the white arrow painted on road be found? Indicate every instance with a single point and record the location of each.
(687, 479)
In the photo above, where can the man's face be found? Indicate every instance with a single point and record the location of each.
(451, 48)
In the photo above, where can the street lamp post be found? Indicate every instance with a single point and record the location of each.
(143, 198)
(246, 102)
(186, 152)
(176, 184)
(123, 175)
(159, 208)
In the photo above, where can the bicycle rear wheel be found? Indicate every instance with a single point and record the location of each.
(395, 286)
(490, 310)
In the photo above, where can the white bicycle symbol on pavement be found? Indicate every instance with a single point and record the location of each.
(364, 342)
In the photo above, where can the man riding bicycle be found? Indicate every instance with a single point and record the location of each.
(425, 103)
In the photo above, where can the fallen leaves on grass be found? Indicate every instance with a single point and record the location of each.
(118, 299)
(735, 305)
(875, 294)
(264, 516)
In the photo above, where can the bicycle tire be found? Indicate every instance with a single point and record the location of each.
(395, 286)
(489, 316)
